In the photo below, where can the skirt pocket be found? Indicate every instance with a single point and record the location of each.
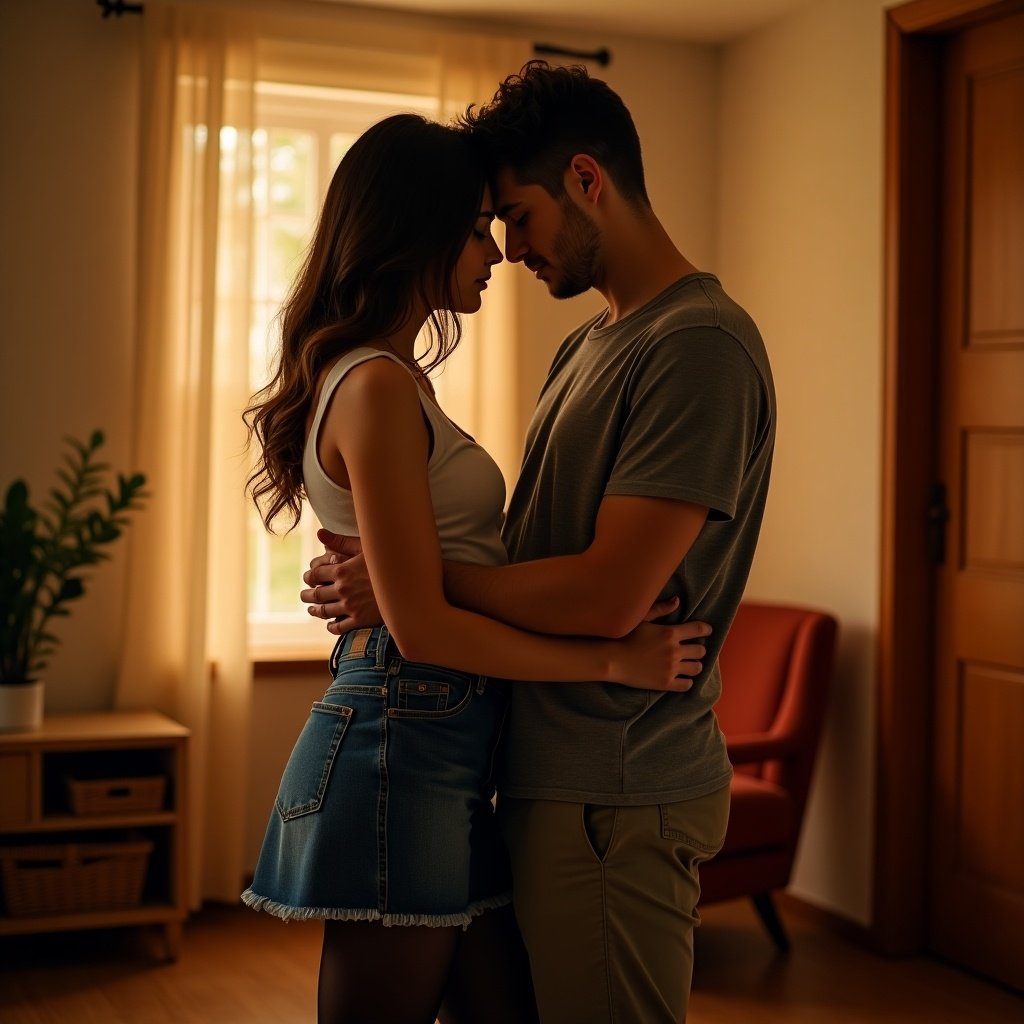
(304, 781)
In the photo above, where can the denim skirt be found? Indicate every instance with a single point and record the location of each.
(384, 809)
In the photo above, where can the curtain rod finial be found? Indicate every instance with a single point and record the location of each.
(602, 56)
(118, 7)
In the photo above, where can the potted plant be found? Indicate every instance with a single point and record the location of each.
(43, 554)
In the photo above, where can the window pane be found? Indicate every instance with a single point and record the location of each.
(288, 240)
(285, 580)
(340, 142)
(292, 156)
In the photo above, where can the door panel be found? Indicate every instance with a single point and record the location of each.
(996, 110)
(993, 501)
(977, 870)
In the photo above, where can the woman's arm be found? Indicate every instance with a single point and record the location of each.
(376, 422)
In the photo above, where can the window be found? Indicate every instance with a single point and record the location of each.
(301, 134)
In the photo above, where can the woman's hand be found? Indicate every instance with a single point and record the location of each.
(660, 657)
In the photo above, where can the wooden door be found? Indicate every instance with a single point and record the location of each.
(977, 833)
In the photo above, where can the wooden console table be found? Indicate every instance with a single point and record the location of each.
(35, 809)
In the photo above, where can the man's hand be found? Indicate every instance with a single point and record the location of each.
(661, 608)
(338, 585)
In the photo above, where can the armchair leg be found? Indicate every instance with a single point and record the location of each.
(770, 919)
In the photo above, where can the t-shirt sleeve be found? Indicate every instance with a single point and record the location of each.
(695, 411)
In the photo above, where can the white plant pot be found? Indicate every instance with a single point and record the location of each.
(21, 706)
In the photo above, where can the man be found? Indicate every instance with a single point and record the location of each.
(645, 477)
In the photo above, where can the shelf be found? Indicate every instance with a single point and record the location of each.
(93, 823)
(101, 730)
(35, 811)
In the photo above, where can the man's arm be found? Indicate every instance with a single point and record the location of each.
(606, 590)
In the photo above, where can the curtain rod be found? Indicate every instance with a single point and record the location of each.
(602, 56)
(118, 7)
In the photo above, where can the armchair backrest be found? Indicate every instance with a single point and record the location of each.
(776, 667)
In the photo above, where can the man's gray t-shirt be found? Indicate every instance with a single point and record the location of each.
(674, 401)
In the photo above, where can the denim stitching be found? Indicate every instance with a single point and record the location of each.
(455, 709)
(344, 715)
(423, 691)
(382, 643)
(382, 806)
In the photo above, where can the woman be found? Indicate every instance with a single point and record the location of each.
(383, 825)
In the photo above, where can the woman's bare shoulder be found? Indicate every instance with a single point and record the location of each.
(380, 373)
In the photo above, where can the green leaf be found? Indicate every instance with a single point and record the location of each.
(73, 587)
(17, 497)
(78, 446)
(60, 500)
(42, 553)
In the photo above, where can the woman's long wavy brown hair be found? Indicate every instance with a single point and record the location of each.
(397, 214)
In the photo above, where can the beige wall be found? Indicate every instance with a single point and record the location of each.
(765, 162)
(799, 236)
(68, 120)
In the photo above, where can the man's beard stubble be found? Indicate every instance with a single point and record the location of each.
(577, 248)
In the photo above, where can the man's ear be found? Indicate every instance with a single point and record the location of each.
(584, 178)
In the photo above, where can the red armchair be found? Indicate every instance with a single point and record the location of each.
(776, 668)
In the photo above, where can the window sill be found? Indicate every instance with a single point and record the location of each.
(279, 663)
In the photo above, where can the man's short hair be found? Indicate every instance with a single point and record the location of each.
(543, 116)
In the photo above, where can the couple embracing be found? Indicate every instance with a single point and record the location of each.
(565, 652)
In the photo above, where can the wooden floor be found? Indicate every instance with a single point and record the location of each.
(238, 967)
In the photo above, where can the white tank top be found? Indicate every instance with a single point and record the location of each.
(466, 486)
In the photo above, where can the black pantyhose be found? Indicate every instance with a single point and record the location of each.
(370, 974)
(490, 979)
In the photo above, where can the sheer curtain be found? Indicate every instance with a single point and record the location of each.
(184, 644)
(184, 647)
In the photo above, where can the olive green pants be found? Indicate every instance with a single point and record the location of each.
(606, 898)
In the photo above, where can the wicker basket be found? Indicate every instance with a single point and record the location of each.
(73, 877)
(116, 796)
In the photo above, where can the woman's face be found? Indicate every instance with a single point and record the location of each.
(473, 268)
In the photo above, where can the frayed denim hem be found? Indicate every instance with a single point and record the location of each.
(289, 913)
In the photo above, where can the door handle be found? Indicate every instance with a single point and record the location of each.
(936, 518)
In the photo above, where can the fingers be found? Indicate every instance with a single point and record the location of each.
(330, 610)
(319, 592)
(692, 630)
(689, 670)
(660, 608)
(324, 573)
(339, 543)
(690, 663)
(327, 558)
